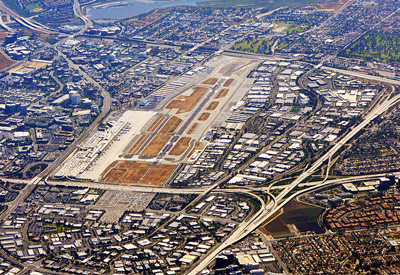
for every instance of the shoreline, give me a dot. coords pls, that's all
(141, 7)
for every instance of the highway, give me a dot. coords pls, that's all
(237, 235)
(374, 113)
(93, 127)
(275, 205)
(246, 228)
(266, 211)
(78, 12)
(363, 75)
(126, 188)
(28, 23)
(4, 25)
(23, 194)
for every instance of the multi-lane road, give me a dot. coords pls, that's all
(28, 23)
(277, 203)
(79, 12)
(268, 209)
(363, 75)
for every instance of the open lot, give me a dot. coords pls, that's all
(303, 216)
(222, 93)
(135, 148)
(157, 175)
(296, 217)
(171, 126)
(5, 62)
(155, 124)
(30, 64)
(276, 228)
(332, 5)
(155, 146)
(191, 130)
(181, 146)
(187, 103)
(228, 82)
(115, 174)
(212, 106)
(134, 172)
(210, 81)
(204, 116)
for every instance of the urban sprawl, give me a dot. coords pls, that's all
(226, 137)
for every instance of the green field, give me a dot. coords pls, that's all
(12, 4)
(27, 10)
(34, 7)
(258, 45)
(254, 45)
(297, 28)
(375, 47)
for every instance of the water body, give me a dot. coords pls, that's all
(129, 8)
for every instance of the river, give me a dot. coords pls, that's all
(129, 8)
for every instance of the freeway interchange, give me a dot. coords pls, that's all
(271, 206)
(268, 208)
(278, 202)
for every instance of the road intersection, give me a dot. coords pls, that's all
(268, 208)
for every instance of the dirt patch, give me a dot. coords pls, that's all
(210, 81)
(155, 124)
(191, 130)
(269, 12)
(332, 5)
(135, 148)
(303, 216)
(3, 35)
(204, 116)
(187, 103)
(155, 146)
(158, 175)
(149, 19)
(138, 172)
(128, 164)
(222, 93)
(171, 125)
(115, 175)
(212, 106)
(276, 228)
(281, 28)
(181, 146)
(5, 62)
(134, 175)
(228, 82)
(110, 167)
